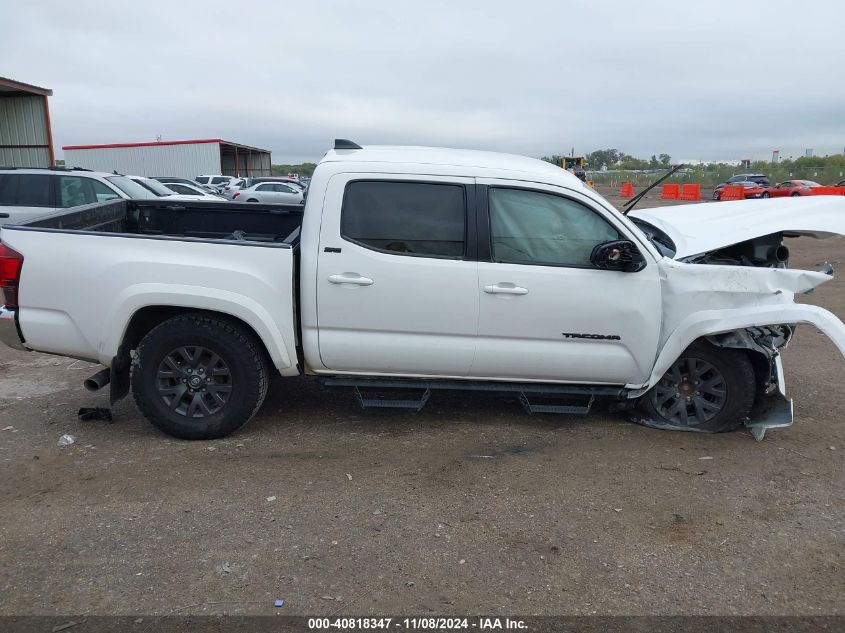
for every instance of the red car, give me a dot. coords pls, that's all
(752, 189)
(791, 188)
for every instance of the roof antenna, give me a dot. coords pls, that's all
(343, 143)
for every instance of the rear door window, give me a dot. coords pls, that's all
(217, 180)
(8, 189)
(35, 190)
(406, 218)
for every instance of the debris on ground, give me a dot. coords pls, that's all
(88, 414)
(226, 567)
(279, 603)
(66, 440)
(349, 477)
(8, 428)
(271, 498)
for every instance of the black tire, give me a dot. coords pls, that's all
(709, 389)
(765, 194)
(795, 194)
(226, 368)
(717, 195)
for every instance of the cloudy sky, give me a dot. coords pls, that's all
(714, 80)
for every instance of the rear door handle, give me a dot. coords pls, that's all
(350, 278)
(505, 288)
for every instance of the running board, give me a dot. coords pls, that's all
(375, 401)
(570, 409)
(547, 397)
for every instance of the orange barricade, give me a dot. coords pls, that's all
(626, 190)
(691, 192)
(670, 191)
(827, 191)
(733, 192)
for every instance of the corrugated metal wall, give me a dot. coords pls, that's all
(23, 122)
(183, 161)
(249, 164)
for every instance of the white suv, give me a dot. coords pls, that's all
(27, 193)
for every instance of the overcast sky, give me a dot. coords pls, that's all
(711, 80)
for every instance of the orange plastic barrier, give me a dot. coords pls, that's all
(626, 190)
(733, 192)
(670, 191)
(691, 191)
(827, 191)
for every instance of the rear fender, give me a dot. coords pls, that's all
(281, 351)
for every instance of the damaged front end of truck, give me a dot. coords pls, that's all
(726, 281)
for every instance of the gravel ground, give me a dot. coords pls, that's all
(470, 506)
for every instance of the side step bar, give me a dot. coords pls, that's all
(547, 398)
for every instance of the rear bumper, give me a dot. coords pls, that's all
(9, 333)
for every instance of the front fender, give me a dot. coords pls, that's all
(277, 337)
(708, 322)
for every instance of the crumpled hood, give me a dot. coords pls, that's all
(701, 228)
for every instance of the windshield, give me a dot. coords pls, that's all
(131, 188)
(155, 186)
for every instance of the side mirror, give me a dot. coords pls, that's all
(621, 255)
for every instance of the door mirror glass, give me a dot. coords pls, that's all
(621, 255)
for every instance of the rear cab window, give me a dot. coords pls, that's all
(406, 218)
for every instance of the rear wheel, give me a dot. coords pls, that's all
(765, 194)
(709, 389)
(795, 194)
(199, 378)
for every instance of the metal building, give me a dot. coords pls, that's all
(26, 139)
(185, 159)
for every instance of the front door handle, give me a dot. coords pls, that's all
(505, 288)
(350, 278)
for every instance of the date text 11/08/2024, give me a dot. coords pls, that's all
(417, 624)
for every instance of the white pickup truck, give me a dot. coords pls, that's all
(415, 269)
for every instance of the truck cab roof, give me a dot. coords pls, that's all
(456, 162)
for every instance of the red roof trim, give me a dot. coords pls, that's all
(113, 145)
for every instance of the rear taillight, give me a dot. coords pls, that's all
(11, 263)
(236, 194)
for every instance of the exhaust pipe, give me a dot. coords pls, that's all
(98, 380)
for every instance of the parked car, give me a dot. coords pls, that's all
(274, 192)
(192, 190)
(760, 179)
(791, 188)
(27, 193)
(392, 276)
(841, 183)
(284, 179)
(752, 189)
(163, 191)
(227, 190)
(213, 180)
(185, 181)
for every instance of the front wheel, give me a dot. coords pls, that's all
(199, 378)
(765, 194)
(708, 389)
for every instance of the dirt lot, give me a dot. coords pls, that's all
(470, 506)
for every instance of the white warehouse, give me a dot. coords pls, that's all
(185, 159)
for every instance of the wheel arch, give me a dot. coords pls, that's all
(145, 319)
(726, 325)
